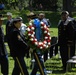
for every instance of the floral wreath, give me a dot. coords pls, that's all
(45, 44)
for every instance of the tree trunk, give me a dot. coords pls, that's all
(67, 6)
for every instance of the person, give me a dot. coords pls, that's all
(23, 30)
(23, 27)
(66, 38)
(2, 6)
(19, 48)
(31, 16)
(9, 20)
(3, 52)
(8, 27)
(38, 64)
(54, 47)
(49, 23)
(40, 6)
(42, 18)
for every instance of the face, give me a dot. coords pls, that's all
(29, 19)
(18, 24)
(1, 21)
(64, 16)
(9, 17)
(41, 16)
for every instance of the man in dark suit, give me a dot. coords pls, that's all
(18, 48)
(66, 38)
(8, 23)
(3, 52)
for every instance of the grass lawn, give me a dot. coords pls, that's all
(53, 64)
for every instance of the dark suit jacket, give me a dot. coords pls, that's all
(65, 33)
(17, 43)
(2, 46)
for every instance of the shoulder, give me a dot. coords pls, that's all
(59, 22)
(14, 30)
(70, 19)
(23, 25)
(36, 20)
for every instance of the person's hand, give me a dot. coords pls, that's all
(31, 50)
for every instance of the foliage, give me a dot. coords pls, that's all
(60, 5)
(45, 4)
(51, 5)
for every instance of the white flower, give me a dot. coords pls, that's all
(28, 29)
(45, 31)
(36, 43)
(45, 42)
(31, 39)
(35, 39)
(50, 38)
(46, 37)
(32, 35)
(45, 26)
(42, 22)
(48, 43)
(30, 24)
(29, 34)
(48, 33)
(32, 28)
(47, 46)
(40, 43)
(44, 45)
(41, 47)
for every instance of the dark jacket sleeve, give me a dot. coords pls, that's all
(70, 31)
(18, 40)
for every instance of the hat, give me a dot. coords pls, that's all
(1, 17)
(31, 15)
(41, 14)
(17, 19)
(9, 14)
(65, 12)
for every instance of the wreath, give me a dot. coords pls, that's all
(42, 44)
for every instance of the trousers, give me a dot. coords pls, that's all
(4, 64)
(19, 66)
(38, 65)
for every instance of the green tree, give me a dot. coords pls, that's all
(69, 5)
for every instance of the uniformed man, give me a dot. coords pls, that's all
(9, 20)
(3, 52)
(18, 48)
(8, 27)
(66, 38)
